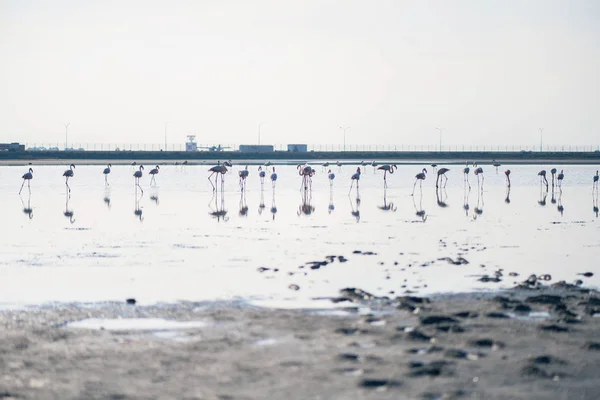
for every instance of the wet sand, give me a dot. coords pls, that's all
(530, 342)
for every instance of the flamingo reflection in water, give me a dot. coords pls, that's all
(355, 211)
(441, 197)
(466, 207)
(595, 203)
(218, 211)
(273, 206)
(507, 198)
(107, 198)
(387, 206)
(560, 207)
(543, 195)
(28, 210)
(331, 206)
(478, 210)
(243, 205)
(69, 213)
(419, 211)
(306, 207)
(261, 205)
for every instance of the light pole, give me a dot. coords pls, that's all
(344, 129)
(259, 126)
(166, 123)
(541, 136)
(440, 130)
(66, 134)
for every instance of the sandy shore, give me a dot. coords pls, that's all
(525, 343)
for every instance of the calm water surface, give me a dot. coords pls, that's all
(177, 242)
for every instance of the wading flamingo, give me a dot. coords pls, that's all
(137, 175)
(69, 174)
(29, 176)
(387, 168)
(420, 177)
(106, 172)
(441, 173)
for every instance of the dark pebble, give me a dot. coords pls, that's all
(497, 315)
(438, 319)
(592, 346)
(486, 343)
(450, 328)
(349, 357)
(544, 299)
(587, 274)
(262, 269)
(466, 314)
(456, 353)
(378, 383)
(347, 331)
(131, 301)
(546, 360)
(554, 328)
(522, 308)
(294, 287)
(418, 335)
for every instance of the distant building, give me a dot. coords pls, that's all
(254, 148)
(12, 147)
(298, 148)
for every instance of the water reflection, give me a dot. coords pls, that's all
(217, 207)
(466, 194)
(137, 211)
(27, 209)
(387, 206)
(154, 196)
(441, 197)
(331, 205)
(261, 205)
(69, 213)
(560, 207)
(306, 206)
(107, 198)
(543, 195)
(479, 207)
(419, 211)
(273, 206)
(553, 197)
(243, 205)
(507, 199)
(355, 206)
(595, 202)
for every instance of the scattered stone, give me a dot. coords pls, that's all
(418, 336)
(487, 278)
(342, 259)
(522, 308)
(547, 360)
(587, 274)
(294, 287)
(131, 301)
(466, 314)
(592, 346)
(545, 299)
(349, 357)
(450, 328)
(378, 383)
(456, 353)
(554, 328)
(488, 343)
(497, 315)
(262, 269)
(434, 368)
(459, 260)
(438, 319)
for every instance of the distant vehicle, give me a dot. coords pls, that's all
(215, 148)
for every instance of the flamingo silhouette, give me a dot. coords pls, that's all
(543, 179)
(106, 172)
(496, 164)
(420, 177)
(218, 170)
(387, 168)
(559, 179)
(441, 173)
(553, 172)
(243, 174)
(353, 178)
(154, 172)
(69, 174)
(331, 177)
(479, 171)
(261, 175)
(27, 177)
(595, 185)
(507, 173)
(306, 172)
(273, 180)
(137, 175)
(466, 171)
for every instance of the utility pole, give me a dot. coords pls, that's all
(541, 137)
(166, 123)
(66, 134)
(259, 126)
(344, 129)
(440, 130)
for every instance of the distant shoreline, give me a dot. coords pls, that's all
(280, 157)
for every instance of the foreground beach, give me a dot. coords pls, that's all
(530, 342)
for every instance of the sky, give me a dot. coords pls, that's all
(485, 72)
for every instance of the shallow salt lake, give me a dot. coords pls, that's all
(177, 242)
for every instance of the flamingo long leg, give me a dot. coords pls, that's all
(213, 186)
(414, 186)
(67, 183)
(446, 182)
(22, 186)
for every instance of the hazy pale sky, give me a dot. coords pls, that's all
(486, 71)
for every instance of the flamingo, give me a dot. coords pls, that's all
(553, 172)
(496, 164)
(507, 173)
(595, 181)
(28, 177)
(69, 174)
(339, 165)
(153, 172)
(479, 171)
(374, 165)
(243, 174)
(559, 179)
(137, 175)
(355, 177)
(325, 165)
(217, 169)
(106, 172)
(331, 177)
(262, 175)
(268, 164)
(434, 167)
(387, 168)
(419, 177)
(543, 179)
(228, 164)
(273, 180)
(306, 172)
(441, 173)
(466, 171)
(364, 163)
